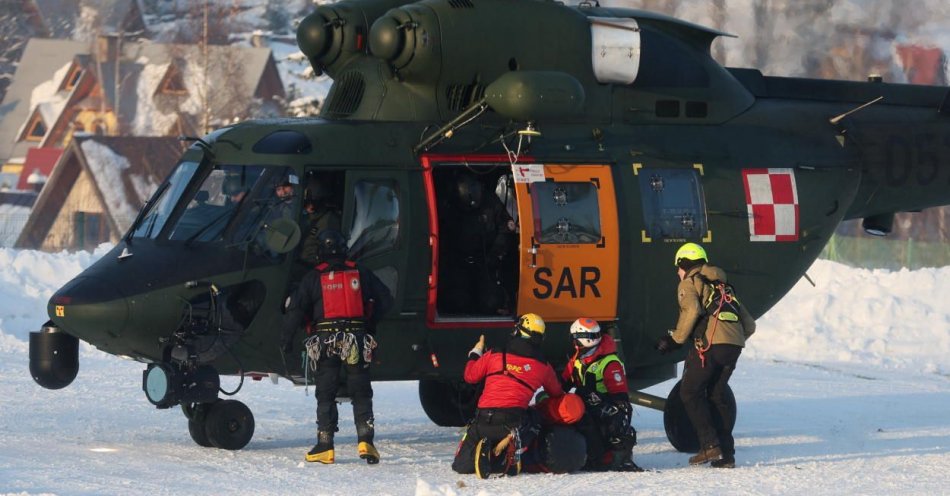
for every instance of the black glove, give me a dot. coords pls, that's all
(666, 344)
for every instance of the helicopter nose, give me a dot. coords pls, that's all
(89, 308)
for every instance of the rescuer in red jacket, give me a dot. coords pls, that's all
(502, 423)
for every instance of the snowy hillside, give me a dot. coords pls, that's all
(844, 390)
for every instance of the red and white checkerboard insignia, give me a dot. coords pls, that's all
(772, 200)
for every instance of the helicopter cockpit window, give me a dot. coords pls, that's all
(216, 202)
(161, 207)
(673, 204)
(567, 213)
(376, 220)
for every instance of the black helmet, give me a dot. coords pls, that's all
(232, 185)
(316, 190)
(331, 244)
(468, 192)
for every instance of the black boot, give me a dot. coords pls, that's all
(727, 461)
(364, 436)
(322, 452)
(709, 453)
(623, 462)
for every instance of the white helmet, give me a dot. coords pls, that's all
(586, 332)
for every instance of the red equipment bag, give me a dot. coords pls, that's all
(342, 294)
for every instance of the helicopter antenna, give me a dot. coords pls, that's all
(447, 131)
(837, 119)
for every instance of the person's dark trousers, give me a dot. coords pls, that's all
(360, 390)
(491, 423)
(703, 387)
(596, 447)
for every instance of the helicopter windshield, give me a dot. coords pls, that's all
(160, 208)
(216, 202)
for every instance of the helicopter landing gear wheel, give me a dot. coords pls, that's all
(197, 414)
(229, 425)
(447, 404)
(679, 429)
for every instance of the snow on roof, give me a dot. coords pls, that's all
(106, 167)
(148, 120)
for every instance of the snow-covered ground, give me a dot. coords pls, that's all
(845, 389)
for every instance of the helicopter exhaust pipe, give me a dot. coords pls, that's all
(54, 357)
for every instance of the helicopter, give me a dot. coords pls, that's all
(604, 137)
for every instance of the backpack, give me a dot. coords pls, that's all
(721, 304)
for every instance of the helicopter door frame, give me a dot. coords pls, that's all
(433, 319)
(570, 259)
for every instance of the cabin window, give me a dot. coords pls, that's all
(673, 203)
(222, 193)
(376, 220)
(566, 213)
(159, 208)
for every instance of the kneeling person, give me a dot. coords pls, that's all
(502, 424)
(598, 376)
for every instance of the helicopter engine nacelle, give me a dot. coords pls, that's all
(336, 34)
(406, 38)
(54, 357)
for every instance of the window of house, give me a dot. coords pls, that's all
(173, 84)
(566, 212)
(72, 79)
(36, 130)
(88, 230)
(376, 221)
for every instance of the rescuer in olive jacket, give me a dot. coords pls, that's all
(716, 324)
(691, 293)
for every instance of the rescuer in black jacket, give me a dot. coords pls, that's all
(343, 303)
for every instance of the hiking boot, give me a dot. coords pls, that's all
(368, 452)
(322, 452)
(706, 454)
(483, 458)
(724, 462)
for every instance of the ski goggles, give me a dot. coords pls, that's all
(585, 335)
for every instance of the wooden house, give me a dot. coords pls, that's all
(96, 190)
(131, 88)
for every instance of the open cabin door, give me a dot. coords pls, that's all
(569, 241)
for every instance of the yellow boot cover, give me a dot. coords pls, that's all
(368, 452)
(325, 457)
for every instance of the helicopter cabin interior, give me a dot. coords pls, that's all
(509, 239)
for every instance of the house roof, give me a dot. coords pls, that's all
(125, 171)
(40, 160)
(66, 19)
(35, 81)
(923, 65)
(46, 62)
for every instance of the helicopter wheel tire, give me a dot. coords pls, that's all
(197, 414)
(229, 425)
(446, 404)
(679, 429)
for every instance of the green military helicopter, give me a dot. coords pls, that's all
(587, 143)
